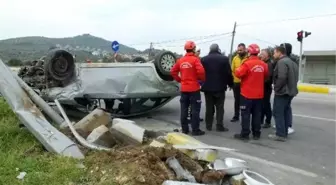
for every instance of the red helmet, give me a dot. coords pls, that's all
(253, 49)
(189, 45)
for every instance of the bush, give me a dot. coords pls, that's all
(14, 62)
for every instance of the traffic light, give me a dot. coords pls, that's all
(300, 36)
(307, 34)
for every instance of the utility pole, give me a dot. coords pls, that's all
(150, 50)
(232, 41)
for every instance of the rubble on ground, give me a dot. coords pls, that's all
(137, 157)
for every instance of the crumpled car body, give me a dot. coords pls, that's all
(123, 89)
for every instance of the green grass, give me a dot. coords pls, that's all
(21, 152)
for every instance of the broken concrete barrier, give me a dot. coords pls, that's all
(101, 136)
(93, 120)
(126, 131)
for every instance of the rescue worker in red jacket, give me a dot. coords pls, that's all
(188, 70)
(253, 73)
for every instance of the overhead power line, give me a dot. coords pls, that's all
(195, 38)
(219, 37)
(290, 19)
(252, 37)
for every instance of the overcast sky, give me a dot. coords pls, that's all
(138, 22)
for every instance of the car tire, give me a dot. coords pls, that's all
(139, 60)
(60, 66)
(163, 63)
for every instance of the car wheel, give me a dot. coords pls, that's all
(163, 64)
(139, 60)
(60, 66)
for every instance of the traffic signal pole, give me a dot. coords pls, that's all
(300, 63)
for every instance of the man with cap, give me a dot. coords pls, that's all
(218, 77)
(252, 74)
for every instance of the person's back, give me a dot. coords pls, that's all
(188, 70)
(218, 73)
(286, 77)
(252, 81)
(191, 70)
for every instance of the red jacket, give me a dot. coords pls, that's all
(253, 73)
(191, 70)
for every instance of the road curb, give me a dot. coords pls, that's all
(316, 89)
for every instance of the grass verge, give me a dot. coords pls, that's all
(21, 152)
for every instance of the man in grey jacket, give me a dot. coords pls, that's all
(285, 78)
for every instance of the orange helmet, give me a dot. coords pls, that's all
(253, 49)
(189, 45)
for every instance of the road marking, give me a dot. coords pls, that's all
(315, 99)
(313, 117)
(275, 165)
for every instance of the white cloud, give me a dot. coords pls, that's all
(132, 22)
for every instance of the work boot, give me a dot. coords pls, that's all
(198, 132)
(240, 137)
(266, 125)
(209, 127)
(277, 138)
(234, 119)
(256, 137)
(221, 128)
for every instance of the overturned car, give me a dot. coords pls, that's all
(123, 89)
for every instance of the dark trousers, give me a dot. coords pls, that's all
(282, 113)
(267, 110)
(250, 107)
(214, 101)
(236, 95)
(192, 99)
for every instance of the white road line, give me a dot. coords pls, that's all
(275, 165)
(313, 117)
(316, 99)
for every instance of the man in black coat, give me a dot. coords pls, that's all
(218, 77)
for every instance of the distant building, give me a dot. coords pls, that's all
(319, 67)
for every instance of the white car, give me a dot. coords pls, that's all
(123, 89)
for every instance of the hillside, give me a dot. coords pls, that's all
(83, 46)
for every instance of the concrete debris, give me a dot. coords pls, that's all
(237, 180)
(181, 173)
(102, 136)
(156, 143)
(169, 182)
(93, 120)
(21, 175)
(126, 131)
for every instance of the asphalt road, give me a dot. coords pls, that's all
(308, 156)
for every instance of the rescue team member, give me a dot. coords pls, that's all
(252, 73)
(197, 53)
(285, 77)
(236, 62)
(265, 55)
(191, 71)
(218, 77)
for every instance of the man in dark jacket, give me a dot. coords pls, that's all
(295, 59)
(285, 79)
(218, 77)
(265, 56)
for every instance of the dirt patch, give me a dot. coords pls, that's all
(137, 165)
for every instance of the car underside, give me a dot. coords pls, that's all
(123, 89)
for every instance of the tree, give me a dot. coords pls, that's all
(14, 62)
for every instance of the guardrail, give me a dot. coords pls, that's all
(310, 88)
